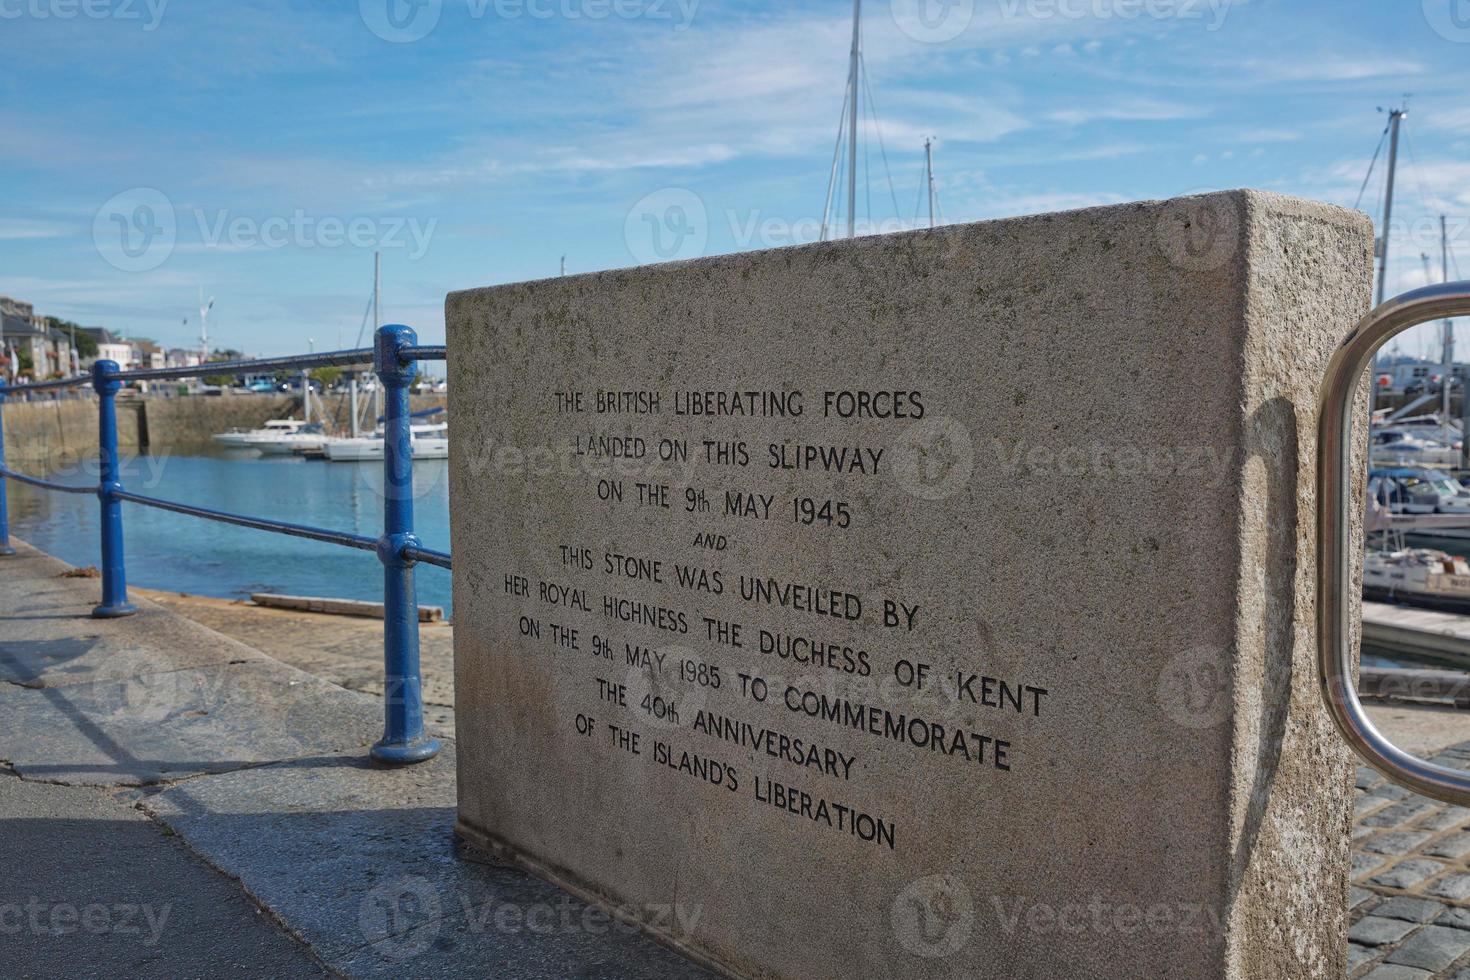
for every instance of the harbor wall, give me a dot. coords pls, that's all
(46, 435)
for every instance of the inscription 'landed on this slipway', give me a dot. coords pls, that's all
(694, 662)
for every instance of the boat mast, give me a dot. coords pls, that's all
(377, 322)
(852, 117)
(929, 176)
(1447, 345)
(1395, 118)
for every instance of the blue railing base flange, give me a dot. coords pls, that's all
(114, 612)
(405, 753)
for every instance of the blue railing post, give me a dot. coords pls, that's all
(114, 576)
(5, 548)
(404, 740)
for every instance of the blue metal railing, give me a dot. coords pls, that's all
(394, 356)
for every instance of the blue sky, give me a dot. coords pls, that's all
(261, 149)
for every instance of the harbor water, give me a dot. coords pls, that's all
(187, 554)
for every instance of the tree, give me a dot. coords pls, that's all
(83, 343)
(222, 380)
(326, 376)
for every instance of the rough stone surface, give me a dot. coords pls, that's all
(1169, 616)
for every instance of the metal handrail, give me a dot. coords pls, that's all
(1334, 539)
(394, 359)
(259, 365)
(428, 556)
(44, 484)
(359, 541)
(81, 379)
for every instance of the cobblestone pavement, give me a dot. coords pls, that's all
(1410, 892)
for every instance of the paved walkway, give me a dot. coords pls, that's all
(174, 803)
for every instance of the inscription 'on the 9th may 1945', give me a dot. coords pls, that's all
(696, 665)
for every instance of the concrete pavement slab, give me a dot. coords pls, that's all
(363, 864)
(93, 888)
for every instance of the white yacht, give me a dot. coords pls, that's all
(1408, 447)
(1417, 577)
(308, 437)
(429, 441)
(273, 429)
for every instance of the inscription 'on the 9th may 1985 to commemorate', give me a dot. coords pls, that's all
(745, 676)
(883, 607)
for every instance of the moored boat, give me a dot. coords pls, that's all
(275, 428)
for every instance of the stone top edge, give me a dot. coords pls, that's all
(1246, 201)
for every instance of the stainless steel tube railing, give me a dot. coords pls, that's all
(1334, 538)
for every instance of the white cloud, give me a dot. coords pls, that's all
(1126, 111)
(20, 229)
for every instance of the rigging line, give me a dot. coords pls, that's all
(837, 197)
(873, 110)
(1418, 176)
(868, 181)
(363, 326)
(836, 149)
(1369, 174)
(919, 197)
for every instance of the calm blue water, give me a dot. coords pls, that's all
(188, 554)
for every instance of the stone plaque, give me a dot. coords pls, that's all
(928, 605)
